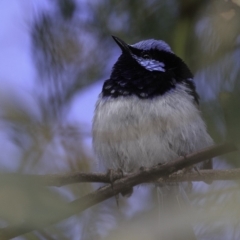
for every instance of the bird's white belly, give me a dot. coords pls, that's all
(129, 133)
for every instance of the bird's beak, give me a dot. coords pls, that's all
(122, 44)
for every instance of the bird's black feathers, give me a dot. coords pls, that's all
(129, 78)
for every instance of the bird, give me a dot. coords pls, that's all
(148, 111)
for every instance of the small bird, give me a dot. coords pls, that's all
(147, 112)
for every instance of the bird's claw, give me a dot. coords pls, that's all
(113, 176)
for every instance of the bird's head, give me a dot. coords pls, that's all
(146, 69)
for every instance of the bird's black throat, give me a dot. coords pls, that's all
(128, 78)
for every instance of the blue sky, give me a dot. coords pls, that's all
(17, 73)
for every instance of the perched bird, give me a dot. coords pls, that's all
(147, 112)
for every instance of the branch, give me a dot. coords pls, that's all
(133, 179)
(59, 180)
(203, 175)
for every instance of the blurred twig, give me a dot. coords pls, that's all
(204, 175)
(58, 180)
(123, 184)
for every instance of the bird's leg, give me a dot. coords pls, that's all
(197, 170)
(128, 192)
(113, 176)
(142, 168)
(186, 170)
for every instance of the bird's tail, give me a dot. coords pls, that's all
(174, 214)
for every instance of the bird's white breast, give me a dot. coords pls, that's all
(129, 132)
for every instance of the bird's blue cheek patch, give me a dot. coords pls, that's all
(150, 64)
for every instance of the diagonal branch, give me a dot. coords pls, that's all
(131, 180)
(204, 175)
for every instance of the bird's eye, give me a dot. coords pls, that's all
(145, 55)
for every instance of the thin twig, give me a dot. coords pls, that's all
(204, 175)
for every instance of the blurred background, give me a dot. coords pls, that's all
(54, 58)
